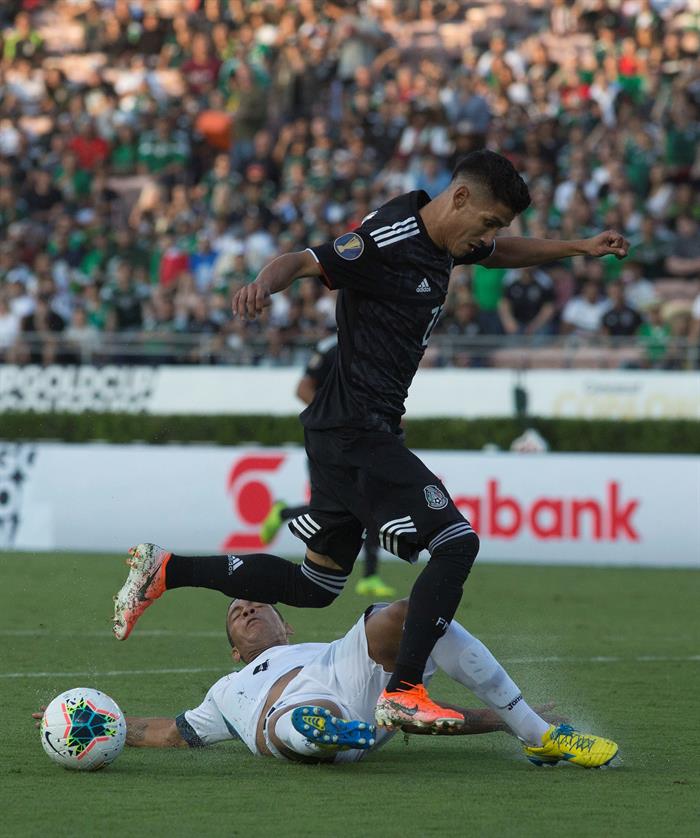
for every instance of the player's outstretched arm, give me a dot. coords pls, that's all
(475, 721)
(517, 252)
(279, 274)
(143, 732)
(153, 733)
(482, 720)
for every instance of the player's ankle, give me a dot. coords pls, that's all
(404, 681)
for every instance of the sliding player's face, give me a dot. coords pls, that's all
(475, 219)
(254, 627)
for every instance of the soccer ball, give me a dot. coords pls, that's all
(83, 729)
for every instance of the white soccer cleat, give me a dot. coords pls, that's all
(144, 584)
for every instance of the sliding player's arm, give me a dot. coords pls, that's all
(481, 721)
(153, 733)
(475, 721)
(144, 733)
(279, 274)
(517, 252)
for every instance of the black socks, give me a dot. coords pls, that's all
(431, 607)
(259, 577)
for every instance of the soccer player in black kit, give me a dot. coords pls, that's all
(392, 272)
(317, 370)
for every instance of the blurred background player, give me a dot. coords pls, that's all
(316, 372)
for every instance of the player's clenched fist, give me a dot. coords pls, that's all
(250, 300)
(608, 242)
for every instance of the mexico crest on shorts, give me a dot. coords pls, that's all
(349, 246)
(435, 498)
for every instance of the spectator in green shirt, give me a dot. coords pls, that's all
(487, 290)
(125, 151)
(163, 151)
(682, 139)
(22, 41)
(654, 336)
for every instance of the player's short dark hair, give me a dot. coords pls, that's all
(228, 631)
(498, 174)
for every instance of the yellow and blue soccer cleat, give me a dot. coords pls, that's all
(324, 729)
(565, 743)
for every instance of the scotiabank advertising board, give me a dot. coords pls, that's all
(536, 508)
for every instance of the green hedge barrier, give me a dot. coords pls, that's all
(644, 436)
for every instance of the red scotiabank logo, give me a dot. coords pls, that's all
(251, 496)
(497, 515)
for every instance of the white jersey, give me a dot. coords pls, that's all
(232, 707)
(342, 672)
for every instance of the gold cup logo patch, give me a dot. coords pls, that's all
(349, 246)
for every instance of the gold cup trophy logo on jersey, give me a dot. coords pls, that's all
(349, 246)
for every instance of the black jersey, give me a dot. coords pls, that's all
(393, 281)
(321, 362)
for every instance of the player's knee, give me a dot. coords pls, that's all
(318, 598)
(319, 585)
(394, 615)
(459, 547)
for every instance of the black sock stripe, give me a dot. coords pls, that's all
(440, 540)
(328, 577)
(336, 583)
(334, 589)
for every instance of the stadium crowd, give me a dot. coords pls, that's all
(154, 155)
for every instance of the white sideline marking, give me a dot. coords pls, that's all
(606, 659)
(193, 671)
(108, 673)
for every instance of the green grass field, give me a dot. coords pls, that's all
(619, 650)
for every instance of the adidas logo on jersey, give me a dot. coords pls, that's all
(424, 287)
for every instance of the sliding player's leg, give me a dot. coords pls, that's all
(316, 729)
(468, 661)
(465, 658)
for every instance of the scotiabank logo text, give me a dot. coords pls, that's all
(498, 514)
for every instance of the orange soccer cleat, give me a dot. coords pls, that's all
(144, 584)
(414, 707)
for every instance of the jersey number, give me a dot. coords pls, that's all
(436, 312)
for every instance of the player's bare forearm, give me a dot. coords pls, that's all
(277, 275)
(475, 722)
(518, 252)
(153, 733)
(282, 271)
(485, 721)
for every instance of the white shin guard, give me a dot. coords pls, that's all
(465, 659)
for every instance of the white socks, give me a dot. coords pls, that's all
(465, 659)
(297, 742)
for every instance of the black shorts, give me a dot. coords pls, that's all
(365, 480)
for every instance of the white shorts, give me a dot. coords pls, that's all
(345, 674)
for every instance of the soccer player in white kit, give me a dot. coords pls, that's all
(315, 701)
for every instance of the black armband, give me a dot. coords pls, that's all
(188, 733)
